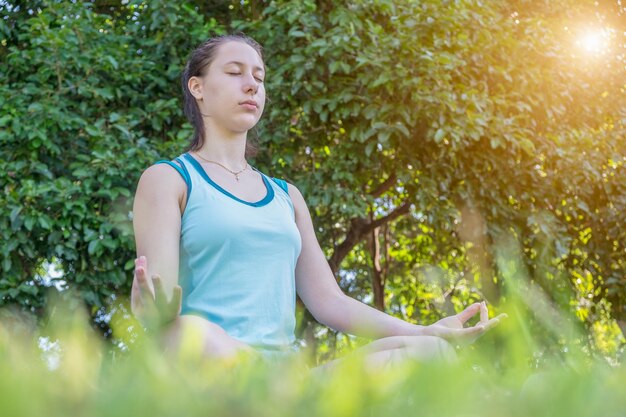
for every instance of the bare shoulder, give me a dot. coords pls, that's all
(161, 181)
(296, 197)
(161, 172)
(303, 216)
(310, 245)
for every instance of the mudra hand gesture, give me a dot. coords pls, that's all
(148, 300)
(453, 328)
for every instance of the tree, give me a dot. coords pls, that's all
(477, 134)
(91, 100)
(422, 134)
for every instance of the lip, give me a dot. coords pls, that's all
(249, 103)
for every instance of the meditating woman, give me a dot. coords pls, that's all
(227, 247)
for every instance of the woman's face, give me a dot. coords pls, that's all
(231, 92)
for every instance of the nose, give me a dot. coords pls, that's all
(251, 85)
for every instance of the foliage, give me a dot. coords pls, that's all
(486, 134)
(422, 134)
(67, 369)
(91, 101)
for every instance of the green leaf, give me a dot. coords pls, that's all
(495, 142)
(113, 61)
(29, 222)
(6, 264)
(129, 265)
(403, 129)
(92, 130)
(296, 34)
(439, 135)
(93, 246)
(527, 146)
(44, 222)
(14, 213)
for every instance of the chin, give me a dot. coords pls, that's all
(243, 125)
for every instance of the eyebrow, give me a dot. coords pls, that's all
(241, 64)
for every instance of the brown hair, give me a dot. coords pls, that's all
(199, 61)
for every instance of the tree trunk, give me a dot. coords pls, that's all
(378, 283)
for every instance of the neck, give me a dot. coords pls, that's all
(228, 148)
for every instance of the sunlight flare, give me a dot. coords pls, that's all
(594, 41)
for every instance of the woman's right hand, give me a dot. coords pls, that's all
(148, 300)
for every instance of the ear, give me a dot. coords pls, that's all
(195, 87)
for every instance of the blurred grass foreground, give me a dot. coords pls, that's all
(61, 367)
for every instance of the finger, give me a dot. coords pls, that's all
(474, 330)
(461, 334)
(484, 313)
(491, 324)
(135, 299)
(145, 290)
(133, 288)
(159, 291)
(494, 322)
(141, 261)
(142, 279)
(468, 313)
(177, 300)
(141, 266)
(134, 291)
(140, 275)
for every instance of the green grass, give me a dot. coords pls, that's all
(499, 375)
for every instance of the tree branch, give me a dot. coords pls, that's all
(359, 228)
(384, 186)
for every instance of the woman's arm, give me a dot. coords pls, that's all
(159, 202)
(157, 210)
(319, 291)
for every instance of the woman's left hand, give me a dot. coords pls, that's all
(453, 328)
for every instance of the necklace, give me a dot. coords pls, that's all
(235, 173)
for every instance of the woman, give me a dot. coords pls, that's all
(241, 243)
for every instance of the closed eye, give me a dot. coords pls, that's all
(260, 80)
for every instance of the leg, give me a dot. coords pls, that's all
(390, 351)
(424, 347)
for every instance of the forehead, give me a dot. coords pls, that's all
(235, 51)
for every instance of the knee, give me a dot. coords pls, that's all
(431, 348)
(446, 351)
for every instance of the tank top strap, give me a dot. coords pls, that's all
(180, 167)
(282, 184)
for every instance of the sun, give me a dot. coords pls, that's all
(594, 41)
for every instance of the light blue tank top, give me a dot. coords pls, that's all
(238, 259)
